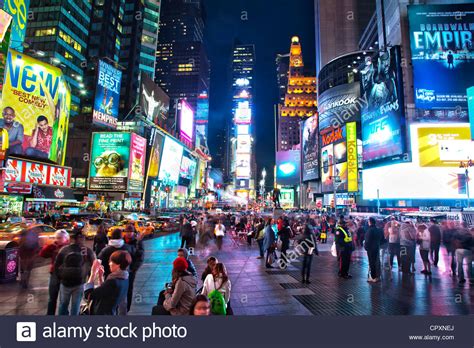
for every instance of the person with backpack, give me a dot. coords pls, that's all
(217, 286)
(116, 242)
(100, 239)
(50, 251)
(259, 236)
(137, 252)
(179, 296)
(106, 298)
(72, 266)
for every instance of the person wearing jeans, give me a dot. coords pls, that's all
(464, 242)
(70, 295)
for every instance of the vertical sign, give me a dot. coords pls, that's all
(5, 33)
(470, 105)
(107, 95)
(352, 165)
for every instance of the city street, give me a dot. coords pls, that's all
(259, 291)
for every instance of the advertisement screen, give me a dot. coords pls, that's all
(242, 165)
(154, 102)
(310, 149)
(341, 172)
(412, 181)
(107, 95)
(155, 156)
(444, 146)
(352, 158)
(287, 198)
(35, 107)
(137, 163)
(339, 105)
(36, 173)
(243, 144)
(202, 109)
(340, 152)
(110, 160)
(441, 39)
(242, 172)
(327, 157)
(186, 122)
(243, 113)
(383, 115)
(288, 167)
(188, 168)
(5, 33)
(18, 9)
(326, 178)
(170, 162)
(243, 129)
(333, 135)
(470, 101)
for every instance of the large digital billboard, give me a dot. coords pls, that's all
(110, 161)
(242, 165)
(18, 9)
(35, 108)
(444, 145)
(137, 163)
(107, 95)
(310, 151)
(155, 155)
(170, 162)
(412, 181)
(36, 173)
(352, 158)
(244, 144)
(288, 165)
(383, 121)
(470, 102)
(188, 168)
(441, 38)
(243, 113)
(154, 102)
(339, 105)
(186, 122)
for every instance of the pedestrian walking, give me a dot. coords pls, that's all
(435, 241)
(424, 240)
(393, 231)
(260, 235)
(464, 245)
(269, 240)
(27, 250)
(219, 232)
(407, 246)
(285, 235)
(134, 246)
(100, 239)
(307, 244)
(50, 251)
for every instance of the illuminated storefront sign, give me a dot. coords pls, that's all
(352, 165)
(37, 173)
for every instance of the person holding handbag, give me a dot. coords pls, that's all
(219, 281)
(111, 293)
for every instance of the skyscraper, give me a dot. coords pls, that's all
(243, 94)
(282, 66)
(300, 100)
(58, 34)
(182, 67)
(339, 26)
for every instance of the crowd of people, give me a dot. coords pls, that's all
(100, 280)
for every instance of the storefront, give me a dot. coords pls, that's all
(46, 198)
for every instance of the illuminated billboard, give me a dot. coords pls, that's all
(243, 144)
(155, 155)
(107, 95)
(137, 163)
(444, 145)
(188, 168)
(412, 181)
(310, 151)
(18, 9)
(242, 165)
(243, 129)
(352, 158)
(21, 171)
(339, 105)
(441, 39)
(154, 102)
(470, 102)
(110, 161)
(170, 162)
(288, 165)
(383, 121)
(35, 108)
(243, 113)
(186, 122)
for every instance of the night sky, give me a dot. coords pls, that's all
(270, 26)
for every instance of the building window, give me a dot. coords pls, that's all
(45, 32)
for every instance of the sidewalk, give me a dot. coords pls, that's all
(258, 291)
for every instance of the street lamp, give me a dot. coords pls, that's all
(262, 184)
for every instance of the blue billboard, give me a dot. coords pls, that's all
(470, 103)
(443, 59)
(382, 118)
(288, 169)
(107, 95)
(18, 9)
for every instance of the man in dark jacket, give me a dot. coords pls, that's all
(435, 241)
(72, 265)
(345, 247)
(137, 252)
(463, 244)
(187, 234)
(116, 242)
(373, 238)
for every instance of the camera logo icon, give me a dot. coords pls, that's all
(26, 332)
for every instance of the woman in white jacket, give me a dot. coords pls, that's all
(218, 280)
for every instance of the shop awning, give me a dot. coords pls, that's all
(51, 194)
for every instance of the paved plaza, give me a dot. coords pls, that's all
(260, 291)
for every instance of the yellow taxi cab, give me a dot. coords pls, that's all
(12, 232)
(142, 227)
